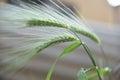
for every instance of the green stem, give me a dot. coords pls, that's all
(89, 54)
(107, 62)
(92, 59)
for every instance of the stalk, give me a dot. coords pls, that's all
(90, 55)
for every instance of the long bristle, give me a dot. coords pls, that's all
(44, 13)
(24, 45)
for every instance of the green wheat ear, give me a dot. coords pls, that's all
(55, 40)
(53, 23)
(45, 15)
(16, 60)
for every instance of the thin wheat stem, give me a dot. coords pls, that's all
(89, 54)
(92, 59)
(107, 62)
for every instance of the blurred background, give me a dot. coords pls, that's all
(104, 17)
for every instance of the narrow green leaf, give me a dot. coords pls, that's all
(102, 72)
(51, 70)
(70, 48)
(65, 52)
